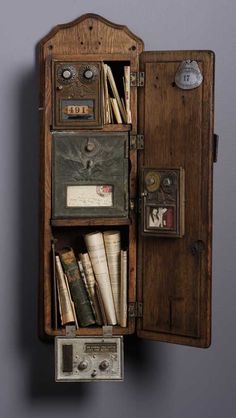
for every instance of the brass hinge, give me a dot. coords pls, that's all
(107, 330)
(215, 147)
(135, 310)
(136, 142)
(137, 79)
(70, 331)
(132, 204)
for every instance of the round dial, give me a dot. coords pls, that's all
(104, 365)
(66, 74)
(83, 365)
(152, 181)
(88, 73)
(168, 181)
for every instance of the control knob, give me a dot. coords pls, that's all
(83, 365)
(104, 365)
(88, 74)
(67, 74)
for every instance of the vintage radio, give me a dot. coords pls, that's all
(85, 358)
(127, 152)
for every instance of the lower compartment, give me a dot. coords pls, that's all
(65, 239)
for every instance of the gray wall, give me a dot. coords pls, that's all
(161, 380)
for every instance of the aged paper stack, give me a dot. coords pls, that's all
(93, 288)
(116, 102)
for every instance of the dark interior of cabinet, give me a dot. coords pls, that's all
(117, 68)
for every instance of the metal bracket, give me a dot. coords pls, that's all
(107, 330)
(215, 147)
(135, 310)
(136, 142)
(70, 331)
(132, 204)
(137, 79)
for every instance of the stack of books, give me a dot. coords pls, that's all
(116, 107)
(92, 288)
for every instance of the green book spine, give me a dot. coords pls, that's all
(77, 288)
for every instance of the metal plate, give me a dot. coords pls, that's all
(163, 202)
(188, 75)
(77, 94)
(82, 359)
(90, 175)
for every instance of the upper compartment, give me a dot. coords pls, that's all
(73, 58)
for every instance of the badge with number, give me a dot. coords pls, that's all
(188, 75)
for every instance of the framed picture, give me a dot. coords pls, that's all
(162, 218)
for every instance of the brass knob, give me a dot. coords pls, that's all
(90, 146)
(67, 74)
(88, 74)
(150, 181)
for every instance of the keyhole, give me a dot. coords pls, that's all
(197, 247)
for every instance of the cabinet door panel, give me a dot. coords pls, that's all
(174, 282)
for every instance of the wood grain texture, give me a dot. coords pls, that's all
(90, 221)
(92, 34)
(89, 37)
(174, 277)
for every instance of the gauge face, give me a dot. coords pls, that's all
(66, 74)
(152, 181)
(169, 181)
(88, 73)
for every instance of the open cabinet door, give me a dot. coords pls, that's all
(175, 176)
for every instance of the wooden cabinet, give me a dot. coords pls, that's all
(169, 143)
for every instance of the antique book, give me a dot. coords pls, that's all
(116, 93)
(111, 112)
(123, 289)
(77, 288)
(127, 92)
(55, 297)
(107, 115)
(71, 302)
(90, 280)
(101, 304)
(65, 306)
(95, 245)
(113, 247)
(116, 111)
(83, 276)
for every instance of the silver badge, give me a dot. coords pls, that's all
(188, 75)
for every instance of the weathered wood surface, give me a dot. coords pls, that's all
(90, 36)
(174, 277)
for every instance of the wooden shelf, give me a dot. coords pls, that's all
(118, 127)
(90, 221)
(95, 331)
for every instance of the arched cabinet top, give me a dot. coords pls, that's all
(90, 34)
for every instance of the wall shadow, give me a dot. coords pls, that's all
(39, 355)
